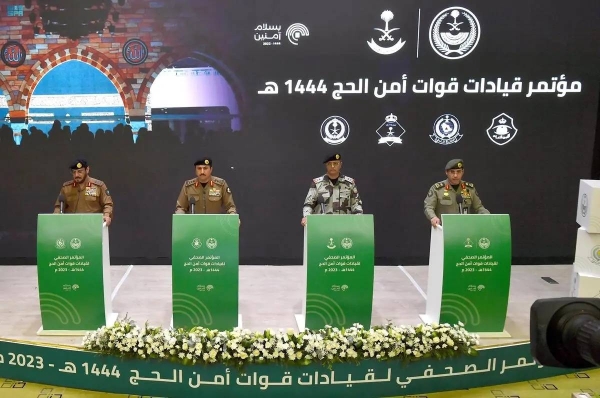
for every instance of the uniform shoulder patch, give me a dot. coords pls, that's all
(349, 179)
(67, 183)
(190, 182)
(469, 184)
(218, 181)
(318, 180)
(96, 182)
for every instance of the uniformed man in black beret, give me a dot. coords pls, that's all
(332, 193)
(84, 194)
(442, 196)
(212, 195)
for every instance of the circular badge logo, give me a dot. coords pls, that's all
(135, 52)
(484, 243)
(75, 243)
(446, 130)
(196, 243)
(454, 33)
(335, 130)
(13, 54)
(211, 243)
(596, 255)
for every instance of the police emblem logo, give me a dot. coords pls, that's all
(446, 130)
(386, 37)
(196, 243)
(135, 52)
(335, 130)
(13, 54)
(60, 243)
(390, 131)
(502, 130)
(454, 33)
(484, 243)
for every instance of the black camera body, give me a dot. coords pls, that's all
(565, 332)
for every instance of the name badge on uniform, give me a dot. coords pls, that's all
(91, 191)
(214, 192)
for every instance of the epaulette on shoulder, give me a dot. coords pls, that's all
(469, 184)
(438, 185)
(218, 181)
(318, 179)
(349, 179)
(67, 183)
(190, 182)
(96, 182)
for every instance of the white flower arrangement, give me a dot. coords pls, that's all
(327, 346)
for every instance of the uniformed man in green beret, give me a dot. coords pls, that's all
(84, 194)
(332, 193)
(442, 196)
(211, 194)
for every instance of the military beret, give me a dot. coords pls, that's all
(203, 162)
(455, 164)
(78, 164)
(335, 156)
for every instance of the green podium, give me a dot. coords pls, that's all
(73, 264)
(205, 271)
(339, 260)
(469, 273)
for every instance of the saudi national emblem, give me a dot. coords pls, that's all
(390, 131)
(335, 130)
(446, 130)
(502, 130)
(386, 36)
(196, 243)
(454, 33)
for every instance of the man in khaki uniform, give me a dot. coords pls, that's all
(441, 198)
(212, 194)
(84, 194)
(332, 193)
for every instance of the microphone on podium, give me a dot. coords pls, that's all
(192, 201)
(459, 200)
(61, 200)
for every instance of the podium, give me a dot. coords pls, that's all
(73, 264)
(469, 273)
(338, 271)
(205, 271)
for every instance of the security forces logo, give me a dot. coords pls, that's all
(595, 257)
(75, 243)
(335, 130)
(446, 130)
(584, 205)
(60, 243)
(484, 243)
(211, 243)
(347, 243)
(454, 33)
(502, 130)
(390, 131)
(386, 37)
(196, 243)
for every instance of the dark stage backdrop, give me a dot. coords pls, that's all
(397, 87)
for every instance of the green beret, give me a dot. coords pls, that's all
(203, 162)
(455, 164)
(78, 164)
(334, 157)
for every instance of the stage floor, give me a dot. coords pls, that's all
(269, 297)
